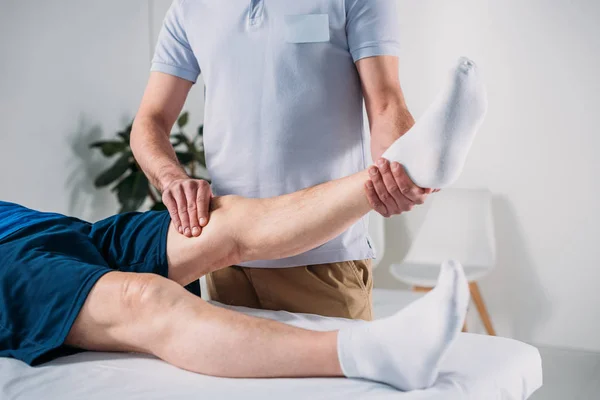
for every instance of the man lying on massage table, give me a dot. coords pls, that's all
(117, 285)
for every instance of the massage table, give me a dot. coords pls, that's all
(476, 367)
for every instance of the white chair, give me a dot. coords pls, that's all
(458, 225)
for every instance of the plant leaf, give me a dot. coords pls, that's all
(175, 142)
(98, 144)
(132, 191)
(201, 130)
(110, 148)
(160, 206)
(183, 119)
(115, 171)
(125, 134)
(178, 139)
(185, 157)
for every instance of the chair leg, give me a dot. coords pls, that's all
(464, 329)
(421, 289)
(481, 308)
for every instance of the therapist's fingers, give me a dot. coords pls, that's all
(387, 171)
(182, 210)
(374, 201)
(203, 197)
(190, 190)
(171, 205)
(382, 192)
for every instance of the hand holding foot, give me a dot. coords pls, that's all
(391, 191)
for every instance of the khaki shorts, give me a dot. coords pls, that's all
(342, 289)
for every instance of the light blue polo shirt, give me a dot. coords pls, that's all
(283, 97)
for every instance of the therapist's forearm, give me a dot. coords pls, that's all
(154, 153)
(389, 119)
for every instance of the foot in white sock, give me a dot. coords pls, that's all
(434, 150)
(405, 350)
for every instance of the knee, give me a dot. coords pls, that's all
(151, 309)
(145, 293)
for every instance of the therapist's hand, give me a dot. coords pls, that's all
(390, 191)
(188, 202)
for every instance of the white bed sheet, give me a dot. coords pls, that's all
(476, 367)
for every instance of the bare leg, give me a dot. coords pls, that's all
(150, 314)
(242, 229)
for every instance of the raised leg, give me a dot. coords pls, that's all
(243, 229)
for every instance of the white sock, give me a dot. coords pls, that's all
(405, 350)
(433, 152)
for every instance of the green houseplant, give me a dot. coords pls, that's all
(129, 182)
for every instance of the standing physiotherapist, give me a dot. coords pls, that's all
(285, 82)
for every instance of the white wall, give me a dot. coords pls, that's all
(537, 151)
(72, 72)
(61, 87)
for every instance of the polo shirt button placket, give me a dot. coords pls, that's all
(255, 13)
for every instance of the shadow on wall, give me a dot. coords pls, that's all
(85, 201)
(518, 303)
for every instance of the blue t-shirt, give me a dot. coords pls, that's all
(14, 217)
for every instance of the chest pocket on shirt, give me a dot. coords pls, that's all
(307, 28)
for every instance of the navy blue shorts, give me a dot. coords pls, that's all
(48, 268)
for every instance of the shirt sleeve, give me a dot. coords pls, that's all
(173, 54)
(373, 28)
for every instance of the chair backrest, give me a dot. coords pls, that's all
(377, 235)
(458, 225)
